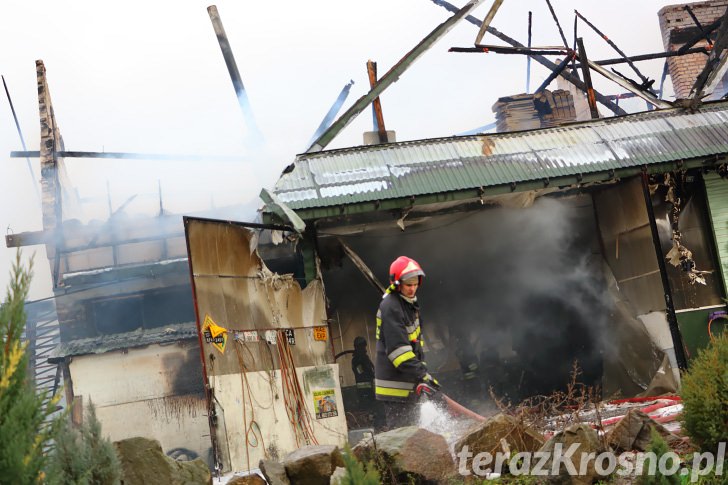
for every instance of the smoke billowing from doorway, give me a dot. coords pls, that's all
(518, 291)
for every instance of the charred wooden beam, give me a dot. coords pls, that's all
(558, 25)
(662, 80)
(376, 103)
(698, 24)
(556, 72)
(391, 76)
(333, 111)
(499, 49)
(528, 59)
(645, 80)
(232, 67)
(677, 342)
(587, 79)
(571, 77)
(629, 86)
(697, 38)
(362, 266)
(129, 156)
(647, 57)
(50, 143)
(32, 238)
(716, 65)
(487, 20)
(22, 140)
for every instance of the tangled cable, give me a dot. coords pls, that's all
(252, 428)
(298, 415)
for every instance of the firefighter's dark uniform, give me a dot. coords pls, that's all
(363, 369)
(399, 364)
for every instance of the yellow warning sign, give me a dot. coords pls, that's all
(320, 333)
(214, 334)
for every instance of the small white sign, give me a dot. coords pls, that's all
(270, 336)
(251, 335)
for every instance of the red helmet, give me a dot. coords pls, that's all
(404, 268)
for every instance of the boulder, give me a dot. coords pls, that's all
(588, 441)
(144, 462)
(634, 432)
(312, 465)
(247, 480)
(274, 472)
(338, 476)
(408, 455)
(487, 436)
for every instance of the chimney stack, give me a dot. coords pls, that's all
(677, 28)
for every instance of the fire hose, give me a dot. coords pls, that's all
(425, 391)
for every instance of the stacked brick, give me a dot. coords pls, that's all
(677, 27)
(529, 112)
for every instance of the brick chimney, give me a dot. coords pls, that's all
(677, 27)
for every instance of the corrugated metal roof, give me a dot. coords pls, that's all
(136, 338)
(380, 172)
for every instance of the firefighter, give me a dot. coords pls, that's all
(363, 369)
(399, 362)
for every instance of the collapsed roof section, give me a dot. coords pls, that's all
(370, 178)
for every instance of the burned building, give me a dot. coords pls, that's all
(598, 242)
(125, 335)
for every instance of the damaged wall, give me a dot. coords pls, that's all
(153, 392)
(523, 285)
(244, 350)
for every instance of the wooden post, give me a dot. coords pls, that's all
(50, 144)
(587, 79)
(377, 104)
(528, 58)
(232, 67)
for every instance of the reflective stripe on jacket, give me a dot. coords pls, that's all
(399, 356)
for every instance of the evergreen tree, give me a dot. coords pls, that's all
(82, 456)
(23, 433)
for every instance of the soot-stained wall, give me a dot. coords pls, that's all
(522, 289)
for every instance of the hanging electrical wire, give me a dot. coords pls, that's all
(295, 404)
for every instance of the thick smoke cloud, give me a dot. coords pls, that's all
(519, 290)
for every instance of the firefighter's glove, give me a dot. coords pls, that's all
(431, 381)
(428, 387)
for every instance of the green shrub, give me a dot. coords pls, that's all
(705, 396)
(659, 448)
(82, 456)
(357, 473)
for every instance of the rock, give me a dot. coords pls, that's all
(412, 454)
(274, 472)
(634, 432)
(487, 436)
(312, 465)
(247, 480)
(143, 462)
(338, 475)
(588, 442)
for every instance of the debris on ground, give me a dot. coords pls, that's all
(142, 458)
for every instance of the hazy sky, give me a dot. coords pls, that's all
(149, 77)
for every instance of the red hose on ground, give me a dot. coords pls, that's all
(645, 399)
(460, 410)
